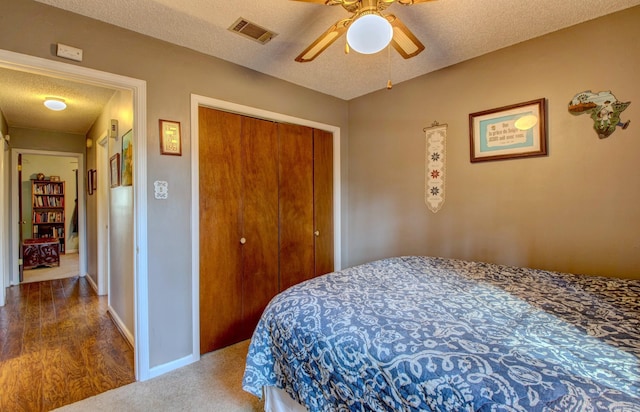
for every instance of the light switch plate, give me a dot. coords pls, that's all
(161, 189)
(113, 130)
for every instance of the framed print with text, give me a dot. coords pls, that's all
(514, 131)
(170, 139)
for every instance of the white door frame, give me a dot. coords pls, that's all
(197, 101)
(15, 225)
(4, 219)
(138, 88)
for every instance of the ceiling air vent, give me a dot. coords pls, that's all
(252, 31)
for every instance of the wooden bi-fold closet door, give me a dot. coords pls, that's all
(238, 224)
(323, 201)
(296, 204)
(306, 203)
(266, 217)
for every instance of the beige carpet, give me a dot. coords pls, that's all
(212, 384)
(69, 267)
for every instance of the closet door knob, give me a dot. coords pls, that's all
(317, 233)
(243, 241)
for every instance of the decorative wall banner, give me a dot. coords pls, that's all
(604, 109)
(435, 162)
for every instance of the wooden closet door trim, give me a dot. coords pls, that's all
(296, 204)
(220, 253)
(260, 211)
(323, 200)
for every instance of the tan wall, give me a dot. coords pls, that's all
(172, 73)
(46, 140)
(121, 283)
(575, 210)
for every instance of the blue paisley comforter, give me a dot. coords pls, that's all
(419, 333)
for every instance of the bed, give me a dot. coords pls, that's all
(425, 333)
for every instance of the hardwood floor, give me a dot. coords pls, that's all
(58, 345)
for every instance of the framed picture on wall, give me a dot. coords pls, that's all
(91, 182)
(127, 158)
(170, 139)
(115, 170)
(518, 130)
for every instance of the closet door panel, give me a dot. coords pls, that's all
(296, 204)
(260, 218)
(323, 200)
(220, 252)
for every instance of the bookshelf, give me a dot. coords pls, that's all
(48, 210)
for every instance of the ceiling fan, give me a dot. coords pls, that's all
(366, 11)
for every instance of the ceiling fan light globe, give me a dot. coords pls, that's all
(55, 104)
(369, 34)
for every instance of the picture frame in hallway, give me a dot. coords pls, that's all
(94, 179)
(91, 181)
(508, 132)
(115, 170)
(170, 139)
(127, 159)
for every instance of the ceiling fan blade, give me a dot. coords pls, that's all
(327, 2)
(410, 2)
(325, 40)
(404, 41)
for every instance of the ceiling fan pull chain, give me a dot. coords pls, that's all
(389, 84)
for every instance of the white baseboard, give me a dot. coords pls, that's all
(70, 251)
(92, 283)
(121, 326)
(173, 365)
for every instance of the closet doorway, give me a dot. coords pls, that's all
(201, 293)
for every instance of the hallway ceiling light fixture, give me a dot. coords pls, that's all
(55, 103)
(369, 34)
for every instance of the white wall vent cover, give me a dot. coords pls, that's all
(252, 31)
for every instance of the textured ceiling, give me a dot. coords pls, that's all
(22, 96)
(451, 30)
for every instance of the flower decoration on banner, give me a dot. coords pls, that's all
(436, 144)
